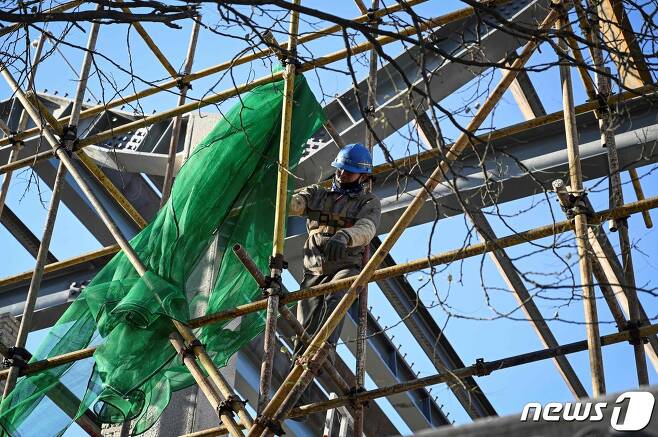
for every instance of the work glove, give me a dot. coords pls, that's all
(336, 247)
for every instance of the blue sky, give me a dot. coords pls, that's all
(460, 284)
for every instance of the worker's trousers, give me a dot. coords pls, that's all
(313, 312)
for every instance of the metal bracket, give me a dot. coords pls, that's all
(372, 18)
(16, 357)
(308, 364)
(69, 137)
(183, 84)
(277, 262)
(481, 367)
(577, 205)
(273, 286)
(228, 405)
(352, 396)
(633, 328)
(271, 424)
(188, 348)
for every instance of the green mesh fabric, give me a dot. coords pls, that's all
(225, 191)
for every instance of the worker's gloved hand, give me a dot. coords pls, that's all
(336, 247)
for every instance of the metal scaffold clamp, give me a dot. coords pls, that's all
(188, 348)
(16, 357)
(353, 392)
(68, 140)
(271, 424)
(228, 406)
(481, 367)
(183, 84)
(633, 328)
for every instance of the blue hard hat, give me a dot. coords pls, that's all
(354, 158)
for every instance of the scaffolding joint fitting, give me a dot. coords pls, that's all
(68, 140)
(228, 406)
(308, 364)
(290, 59)
(373, 19)
(273, 286)
(577, 205)
(188, 348)
(16, 357)
(481, 367)
(633, 328)
(353, 392)
(271, 424)
(277, 262)
(182, 84)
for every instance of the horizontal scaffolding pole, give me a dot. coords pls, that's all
(384, 273)
(232, 92)
(480, 368)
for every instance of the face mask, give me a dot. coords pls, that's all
(346, 188)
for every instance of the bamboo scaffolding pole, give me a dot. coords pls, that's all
(305, 338)
(480, 368)
(362, 325)
(281, 404)
(60, 177)
(151, 44)
(431, 23)
(580, 222)
(184, 330)
(35, 283)
(430, 135)
(59, 8)
(89, 164)
(606, 126)
(384, 273)
(177, 122)
(587, 29)
(22, 123)
(277, 263)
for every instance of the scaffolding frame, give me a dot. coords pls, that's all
(280, 406)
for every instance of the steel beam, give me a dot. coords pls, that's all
(432, 339)
(469, 39)
(22, 233)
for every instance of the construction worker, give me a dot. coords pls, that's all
(341, 221)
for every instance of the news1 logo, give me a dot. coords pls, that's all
(638, 411)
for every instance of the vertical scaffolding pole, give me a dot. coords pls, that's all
(177, 122)
(362, 327)
(277, 263)
(606, 126)
(44, 247)
(22, 123)
(131, 255)
(580, 219)
(302, 374)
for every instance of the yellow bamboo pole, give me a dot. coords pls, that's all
(277, 263)
(317, 63)
(580, 222)
(277, 409)
(331, 287)
(130, 253)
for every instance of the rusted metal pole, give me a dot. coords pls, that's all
(130, 253)
(277, 263)
(580, 222)
(362, 325)
(616, 197)
(282, 401)
(16, 147)
(304, 337)
(591, 29)
(177, 122)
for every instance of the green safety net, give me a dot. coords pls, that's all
(224, 194)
